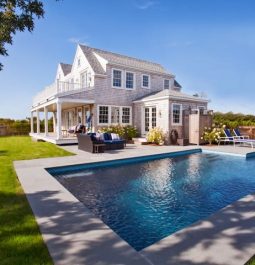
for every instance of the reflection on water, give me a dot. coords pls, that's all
(147, 201)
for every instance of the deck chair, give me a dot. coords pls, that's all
(238, 134)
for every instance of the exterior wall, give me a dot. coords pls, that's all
(106, 94)
(186, 105)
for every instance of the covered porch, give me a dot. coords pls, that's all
(52, 120)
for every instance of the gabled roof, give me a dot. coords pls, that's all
(93, 61)
(171, 94)
(66, 68)
(118, 59)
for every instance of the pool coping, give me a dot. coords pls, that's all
(66, 224)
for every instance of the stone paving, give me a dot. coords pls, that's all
(74, 236)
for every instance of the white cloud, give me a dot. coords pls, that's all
(143, 5)
(76, 40)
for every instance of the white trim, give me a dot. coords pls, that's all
(172, 107)
(122, 79)
(172, 97)
(134, 80)
(149, 80)
(110, 115)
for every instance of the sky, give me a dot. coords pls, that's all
(208, 45)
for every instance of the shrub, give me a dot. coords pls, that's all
(126, 132)
(212, 134)
(155, 135)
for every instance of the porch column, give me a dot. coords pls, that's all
(54, 121)
(37, 122)
(46, 130)
(59, 122)
(32, 122)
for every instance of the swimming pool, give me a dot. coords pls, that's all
(146, 201)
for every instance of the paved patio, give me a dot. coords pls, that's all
(74, 236)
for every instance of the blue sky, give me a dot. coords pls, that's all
(208, 45)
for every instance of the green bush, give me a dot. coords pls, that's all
(155, 135)
(127, 132)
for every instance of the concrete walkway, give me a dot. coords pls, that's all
(75, 236)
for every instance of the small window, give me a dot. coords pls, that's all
(79, 62)
(146, 81)
(116, 79)
(126, 115)
(115, 115)
(103, 114)
(129, 80)
(166, 84)
(176, 114)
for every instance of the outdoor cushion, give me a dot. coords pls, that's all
(107, 136)
(115, 136)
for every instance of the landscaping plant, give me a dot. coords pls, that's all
(155, 136)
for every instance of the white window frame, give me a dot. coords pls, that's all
(164, 83)
(122, 79)
(172, 114)
(134, 80)
(149, 79)
(110, 115)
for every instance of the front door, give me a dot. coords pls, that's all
(150, 118)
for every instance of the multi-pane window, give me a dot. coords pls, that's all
(116, 79)
(125, 115)
(103, 114)
(115, 115)
(145, 81)
(129, 80)
(166, 83)
(176, 118)
(147, 119)
(153, 117)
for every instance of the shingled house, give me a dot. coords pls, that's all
(102, 88)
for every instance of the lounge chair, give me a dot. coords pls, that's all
(238, 134)
(228, 138)
(250, 142)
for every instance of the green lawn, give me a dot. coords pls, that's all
(20, 239)
(251, 261)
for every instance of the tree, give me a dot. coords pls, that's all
(17, 15)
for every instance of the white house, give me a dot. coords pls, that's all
(102, 88)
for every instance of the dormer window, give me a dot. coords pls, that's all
(166, 84)
(145, 81)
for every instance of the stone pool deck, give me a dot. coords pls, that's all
(75, 236)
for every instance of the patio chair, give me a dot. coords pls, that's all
(244, 142)
(238, 134)
(228, 138)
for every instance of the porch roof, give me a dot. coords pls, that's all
(170, 94)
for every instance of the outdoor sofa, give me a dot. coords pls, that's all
(106, 141)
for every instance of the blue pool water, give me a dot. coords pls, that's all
(146, 201)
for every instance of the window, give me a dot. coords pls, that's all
(79, 62)
(125, 115)
(115, 115)
(103, 114)
(176, 114)
(116, 78)
(129, 80)
(166, 84)
(79, 115)
(146, 81)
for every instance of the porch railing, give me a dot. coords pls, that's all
(54, 89)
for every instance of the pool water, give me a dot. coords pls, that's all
(146, 201)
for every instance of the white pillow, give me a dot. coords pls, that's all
(115, 136)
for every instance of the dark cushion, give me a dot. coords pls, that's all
(113, 141)
(107, 136)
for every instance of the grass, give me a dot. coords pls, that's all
(251, 261)
(20, 238)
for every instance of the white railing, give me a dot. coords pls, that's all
(53, 90)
